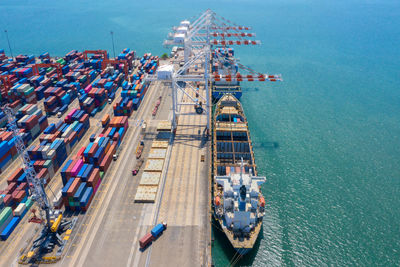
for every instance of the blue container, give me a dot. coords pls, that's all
(9, 228)
(66, 187)
(87, 172)
(82, 170)
(86, 196)
(157, 230)
(79, 193)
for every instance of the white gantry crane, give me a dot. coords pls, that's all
(196, 39)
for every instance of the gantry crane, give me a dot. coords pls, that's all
(198, 34)
(50, 234)
(95, 52)
(35, 68)
(5, 79)
(196, 37)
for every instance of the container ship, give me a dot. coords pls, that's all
(238, 202)
(224, 63)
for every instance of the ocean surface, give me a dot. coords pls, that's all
(327, 138)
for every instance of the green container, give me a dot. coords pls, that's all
(74, 124)
(28, 91)
(71, 204)
(5, 213)
(61, 61)
(49, 69)
(28, 203)
(101, 175)
(83, 78)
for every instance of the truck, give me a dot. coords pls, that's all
(137, 167)
(153, 235)
(139, 149)
(144, 126)
(158, 230)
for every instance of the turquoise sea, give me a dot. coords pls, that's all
(327, 138)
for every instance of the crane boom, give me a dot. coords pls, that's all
(35, 185)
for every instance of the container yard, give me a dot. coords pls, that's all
(112, 151)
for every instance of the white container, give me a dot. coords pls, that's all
(32, 110)
(58, 199)
(19, 209)
(50, 154)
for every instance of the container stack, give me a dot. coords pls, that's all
(57, 99)
(149, 63)
(135, 91)
(24, 92)
(8, 151)
(82, 175)
(57, 141)
(14, 202)
(123, 107)
(32, 120)
(128, 55)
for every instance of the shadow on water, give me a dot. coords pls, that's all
(230, 252)
(266, 145)
(250, 89)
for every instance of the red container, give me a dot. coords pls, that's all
(93, 149)
(94, 178)
(10, 188)
(145, 240)
(80, 152)
(105, 163)
(74, 186)
(7, 200)
(14, 177)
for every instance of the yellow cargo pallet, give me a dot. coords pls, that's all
(159, 144)
(157, 153)
(150, 178)
(155, 165)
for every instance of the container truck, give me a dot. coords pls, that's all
(139, 149)
(153, 235)
(158, 229)
(137, 167)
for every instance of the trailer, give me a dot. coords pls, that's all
(139, 149)
(153, 235)
(137, 167)
(145, 240)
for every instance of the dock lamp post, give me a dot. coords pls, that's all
(112, 39)
(9, 46)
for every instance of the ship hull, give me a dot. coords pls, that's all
(224, 160)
